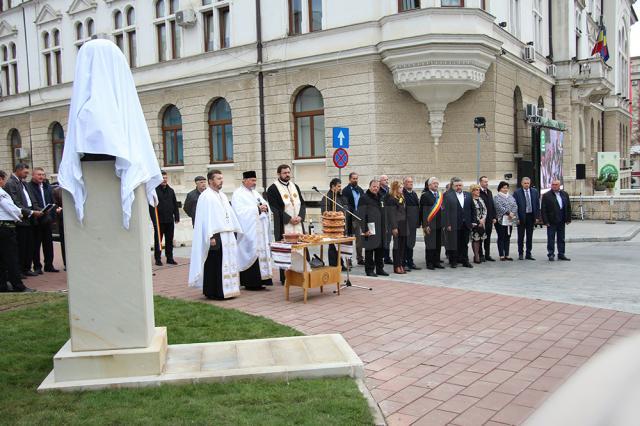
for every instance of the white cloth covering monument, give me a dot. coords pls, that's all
(109, 173)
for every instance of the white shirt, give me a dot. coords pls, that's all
(460, 196)
(559, 198)
(8, 210)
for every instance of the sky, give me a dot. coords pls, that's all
(635, 35)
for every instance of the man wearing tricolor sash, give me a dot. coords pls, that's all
(431, 207)
(286, 203)
(214, 250)
(254, 253)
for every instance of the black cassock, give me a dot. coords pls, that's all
(251, 279)
(212, 278)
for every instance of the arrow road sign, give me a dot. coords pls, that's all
(340, 158)
(341, 137)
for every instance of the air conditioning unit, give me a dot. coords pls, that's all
(534, 119)
(530, 53)
(531, 110)
(186, 17)
(20, 153)
(552, 70)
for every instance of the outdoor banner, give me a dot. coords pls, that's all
(551, 154)
(609, 170)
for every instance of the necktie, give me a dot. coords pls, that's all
(526, 193)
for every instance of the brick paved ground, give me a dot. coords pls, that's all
(433, 355)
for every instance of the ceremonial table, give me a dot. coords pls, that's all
(309, 277)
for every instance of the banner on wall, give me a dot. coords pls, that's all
(551, 156)
(609, 170)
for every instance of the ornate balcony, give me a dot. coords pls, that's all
(589, 79)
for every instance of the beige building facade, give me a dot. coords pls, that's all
(408, 96)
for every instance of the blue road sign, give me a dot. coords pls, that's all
(341, 137)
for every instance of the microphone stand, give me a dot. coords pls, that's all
(347, 282)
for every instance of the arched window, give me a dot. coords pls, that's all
(220, 132)
(57, 143)
(600, 143)
(540, 102)
(8, 70)
(91, 28)
(308, 115)
(131, 16)
(592, 140)
(517, 108)
(52, 57)
(172, 137)
(124, 34)
(15, 142)
(160, 9)
(79, 31)
(168, 33)
(117, 20)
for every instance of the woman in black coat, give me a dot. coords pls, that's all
(398, 224)
(370, 210)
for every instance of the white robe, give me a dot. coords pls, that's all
(105, 117)
(254, 242)
(214, 215)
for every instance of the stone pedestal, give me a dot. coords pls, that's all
(111, 319)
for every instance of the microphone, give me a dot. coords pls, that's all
(315, 188)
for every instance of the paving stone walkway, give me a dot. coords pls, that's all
(433, 355)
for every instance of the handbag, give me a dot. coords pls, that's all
(316, 262)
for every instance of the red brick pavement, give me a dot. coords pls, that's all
(434, 356)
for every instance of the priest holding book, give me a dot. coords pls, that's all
(254, 252)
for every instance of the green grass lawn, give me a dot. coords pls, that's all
(34, 327)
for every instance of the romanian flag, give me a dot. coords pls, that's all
(601, 45)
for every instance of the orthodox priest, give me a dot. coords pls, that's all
(254, 253)
(214, 250)
(287, 205)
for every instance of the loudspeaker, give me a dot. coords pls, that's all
(581, 172)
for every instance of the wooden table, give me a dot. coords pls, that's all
(316, 277)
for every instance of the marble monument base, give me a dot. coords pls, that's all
(283, 358)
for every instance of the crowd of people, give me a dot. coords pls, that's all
(28, 210)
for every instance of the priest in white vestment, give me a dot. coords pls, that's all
(254, 253)
(214, 250)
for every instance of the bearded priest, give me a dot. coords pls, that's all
(214, 250)
(254, 253)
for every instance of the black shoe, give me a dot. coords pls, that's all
(529, 257)
(24, 290)
(439, 266)
(372, 274)
(520, 257)
(382, 273)
(171, 262)
(361, 262)
(563, 257)
(38, 271)
(431, 267)
(482, 258)
(388, 261)
(453, 265)
(467, 265)
(551, 258)
(30, 274)
(413, 266)
(158, 262)
(50, 269)
(489, 258)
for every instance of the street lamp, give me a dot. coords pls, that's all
(478, 123)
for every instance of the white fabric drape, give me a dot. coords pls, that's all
(254, 242)
(214, 215)
(105, 117)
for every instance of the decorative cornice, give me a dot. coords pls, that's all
(78, 6)
(47, 14)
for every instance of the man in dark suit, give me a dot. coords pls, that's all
(432, 228)
(556, 213)
(373, 229)
(528, 200)
(17, 189)
(487, 197)
(458, 213)
(383, 193)
(352, 194)
(168, 215)
(413, 221)
(42, 195)
(191, 202)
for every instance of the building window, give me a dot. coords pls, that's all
(168, 33)
(404, 5)
(538, 28)
(209, 34)
(220, 132)
(225, 27)
(172, 137)
(16, 142)
(578, 52)
(84, 32)
(52, 57)
(8, 70)
(315, 15)
(514, 17)
(57, 143)
(308, 118)
(124, 34)
(452, 3)
(295, 17)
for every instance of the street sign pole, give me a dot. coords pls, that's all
(478, 156)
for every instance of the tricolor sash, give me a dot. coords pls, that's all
(435, 209)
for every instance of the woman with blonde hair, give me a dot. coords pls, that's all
(478, 234)
(397, 210)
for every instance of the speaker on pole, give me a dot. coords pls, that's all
(581, 171)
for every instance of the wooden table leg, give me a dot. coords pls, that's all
(286, 287)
